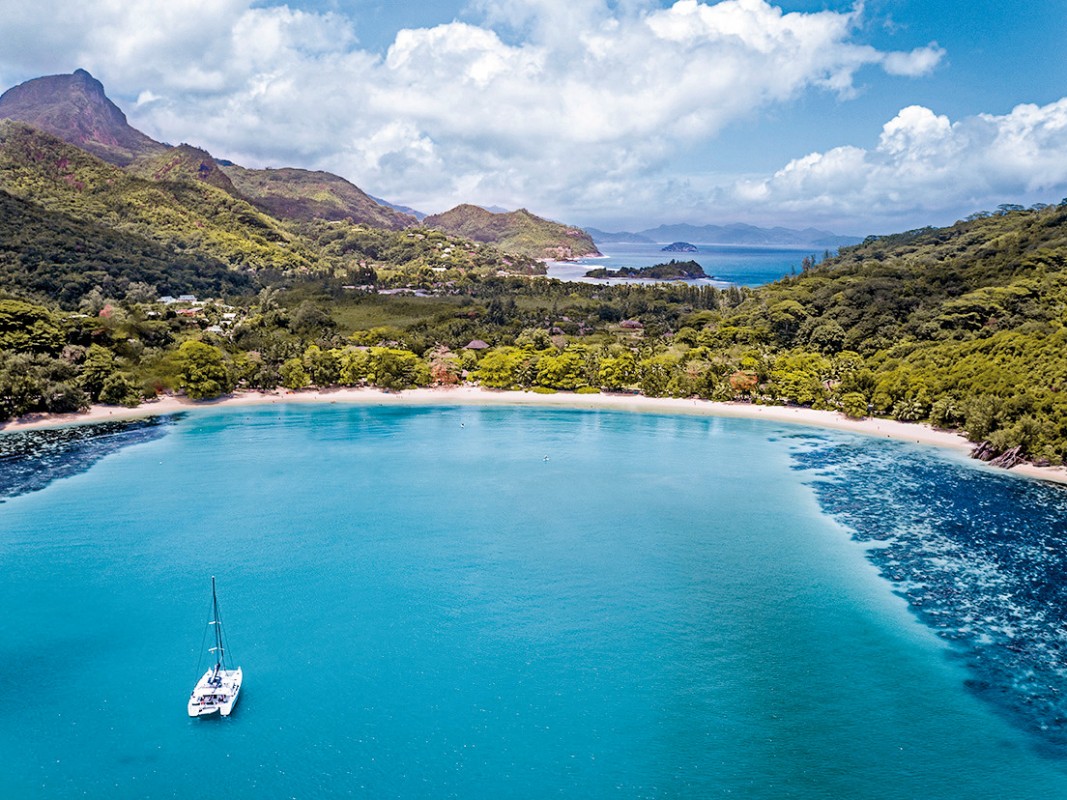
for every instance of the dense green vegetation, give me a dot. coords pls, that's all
(515, 231)
(49, 255)
(964, 327)
(670, 271)
(960, 326)
(182, 215)
(415, 257)
(71, 222)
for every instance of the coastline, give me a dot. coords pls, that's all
(477, 396)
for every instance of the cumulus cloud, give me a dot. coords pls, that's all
(924, 167)
(562, 105)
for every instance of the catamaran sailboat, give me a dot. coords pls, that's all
(216, 692)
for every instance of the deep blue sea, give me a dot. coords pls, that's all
(727, 264)
(522, 603)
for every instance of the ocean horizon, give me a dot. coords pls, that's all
(728, 265)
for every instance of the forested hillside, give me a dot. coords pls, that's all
(183, 163)
(303, 195)
(963, 327)
(51, 257)
(182, 214)
(515, 231)
(184, 205)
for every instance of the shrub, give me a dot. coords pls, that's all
(854, 405)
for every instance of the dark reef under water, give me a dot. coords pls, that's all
(981, 558)
(32, 459)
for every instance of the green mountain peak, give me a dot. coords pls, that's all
(515, 231)
(300, 194)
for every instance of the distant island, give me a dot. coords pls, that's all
(679, 247)
(671, 271)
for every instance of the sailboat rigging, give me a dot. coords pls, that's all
(216, 692)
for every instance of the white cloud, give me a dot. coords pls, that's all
(562, 105)
(919, 61)
(925, 168)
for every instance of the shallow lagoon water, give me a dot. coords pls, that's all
(426, 607)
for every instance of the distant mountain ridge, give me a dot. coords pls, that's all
(301, 194)
(516, 231)
(76, 109)
(622, 237)
(737, 233)
(419, 215)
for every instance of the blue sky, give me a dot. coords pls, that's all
(857, 117)
(997, 55)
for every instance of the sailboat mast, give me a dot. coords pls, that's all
(218, 625)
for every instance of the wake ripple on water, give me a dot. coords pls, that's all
(981, 558)
(30, 460)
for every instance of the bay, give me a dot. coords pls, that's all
(737, 265)
(487, 602)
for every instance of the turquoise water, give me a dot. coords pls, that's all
(740, 265)
(425, 607)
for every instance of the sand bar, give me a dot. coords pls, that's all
(473, 395)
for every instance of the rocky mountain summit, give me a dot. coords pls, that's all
(76, 109)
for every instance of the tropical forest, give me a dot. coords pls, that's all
(166, 271)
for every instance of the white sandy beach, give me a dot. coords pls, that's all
(473, 395)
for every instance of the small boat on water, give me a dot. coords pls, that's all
(216, 692)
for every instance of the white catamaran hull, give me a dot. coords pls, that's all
(216, 693)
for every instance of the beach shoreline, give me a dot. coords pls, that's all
(477, 396)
